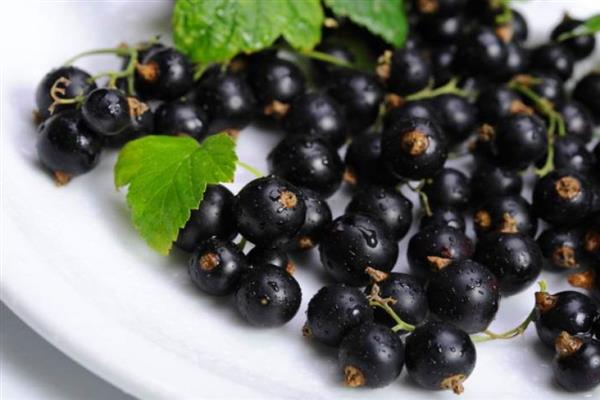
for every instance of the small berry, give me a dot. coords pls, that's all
(489, 181)
(571, 154)
(456, 115)
(549, 86)
(324, 70)
(316, 222)
(442, 30)
(508, 214)
(555, 58)
(443, 60)
(498, 102)
(587, 92)
(520, 140)
(258, 257)
(181, 118)
(449, 187)
(518, 60)
(563, 248)
(576, 364)
(164, 73)
(578, 120)
(481, 52)
(409, 72)
(444, 216)
(364, 165)
(580, 46)
(106, 111)
(422, 109)
(141, 123)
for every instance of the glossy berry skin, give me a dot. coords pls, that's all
(442, 30)
(273, 80)
(449, 187)
(79, 84)
(580, 46)
(562, 197)
(354, 242)
(518, 60)
(587, 92)
(268, 296)
(549, 86)
(409, 72)
(498, 102)
(213, 217)
(515, 259)
(371, 355)
(410, 300)
(520, 140)
(519, 27)
(562, 247)
(359, 94)
(457, 116)
(217, 266)
(334, 311)
(435, 247)
(226, 98)
(443, 60)
(165, 74)
(179, 118)
(481, 52)
(364, 165)
(568, 311)
(139, 125)
(106, 111)
(414, 149)
(323, 70)
(66, 145)
(576, 365)
(269, 211)
(307, 162)
(422, 109)
(318, 115)
(571, 154)
(317, 219)
(578, 120)
(555, 58)
(444, 216)
(389, 206)
(465, 294)
(258, 257)
(489, 181)
(438, 351)
(505, 214)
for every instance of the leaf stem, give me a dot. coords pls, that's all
(317, 55)
(449, 88)
(423, 199)
(119, 51)
(250, 169)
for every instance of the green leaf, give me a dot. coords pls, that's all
(385, 18)
(588, 27)
(217, 30)
(167, 177)
(593, 23)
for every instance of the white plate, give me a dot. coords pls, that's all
(76, 271)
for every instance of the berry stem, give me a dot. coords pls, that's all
(488, 335)
(242, 244)
(505, 16)
(375, 300)
(317, 55)
(119, 51)
(449, 88)
(250, 169)
(423, 199)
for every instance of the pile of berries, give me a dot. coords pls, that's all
(464, 80)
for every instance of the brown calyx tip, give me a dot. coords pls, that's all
(523, 79)
(415, 143)
(591, 241)
(331, 23)
(61, 178)
(545, 301)
(564, 256)
(305, 243)
(276, 109)
(209, 261)
(509, 224)
(518, 107)
(584, 280)
(136, 107)
(566, 344)
(428, 6)
(237, 65)
(353, 377)
(483, 219)
(288, 199)
(486, 132)
(349, 177)
(505, 32)
(376, 274)
(439, 262)
(232, 133)
(148, 72)
(383, 69)
(454, 383)
(306, 332)
(290, 267)
(568, 187)
(393, 100)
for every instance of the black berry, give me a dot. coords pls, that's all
(587, 92)
(580, 46)
(555, 58)
(562, 247)
(317, 220)
(106, 111)
(164, 73)
(576, 364)
(490, 181)
(181, 118)
(508, 214)
(364, 165)
(444, 216)
(449, 187)
(410, 72)
(258, 257)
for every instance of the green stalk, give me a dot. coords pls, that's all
(449, 88)
(119, 51)
(250, 169)
(317, 55)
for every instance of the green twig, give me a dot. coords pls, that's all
(376, 301)
(119, 51)
(449, 88)
(423, 199)
(250, 169)
(317, 55)
(242, 244)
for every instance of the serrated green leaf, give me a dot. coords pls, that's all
(593, 23)
(216, 30)
(167, 177)
(386, 18)
(589, 27)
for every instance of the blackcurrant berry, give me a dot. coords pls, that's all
(444, 216)
(456, 115)
(141, 123)
(587, 92)
(562, 197)
(563, 248)
(318, 115)
(414, 149)
(324, 70)
(388, 205)
(164, 73)
(181, 118)
(213, 217)
(498, 102)
(489, 181)
(410, 302)
(508, 214)
(568, 311)
(269, 211)
(334, 311)
(268, 296)
(422, 109)
(66, 146)
(449, 187)
(106, 111)
(364, 165)
(518, 60)
(482, 52)
(435, 247)
(354, 242)
(576, 364)
(518, 23)
(217, 266)
(409, 71)
(226, 98)
(555, 58)
(316, 221)
(549, 86)
(578, 120)
(440, 356)
(515, 259)
(359, 94)
(443, 60)
(371, 355)
(258, 257)
(78, 83)
(571, 154)
(442, 30)
(307, 162)
(520, 140)
(580, 46)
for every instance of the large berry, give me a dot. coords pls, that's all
(164, 73)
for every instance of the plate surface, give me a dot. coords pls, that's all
(76, 271)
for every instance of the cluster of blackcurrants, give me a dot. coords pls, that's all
(521, 118)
